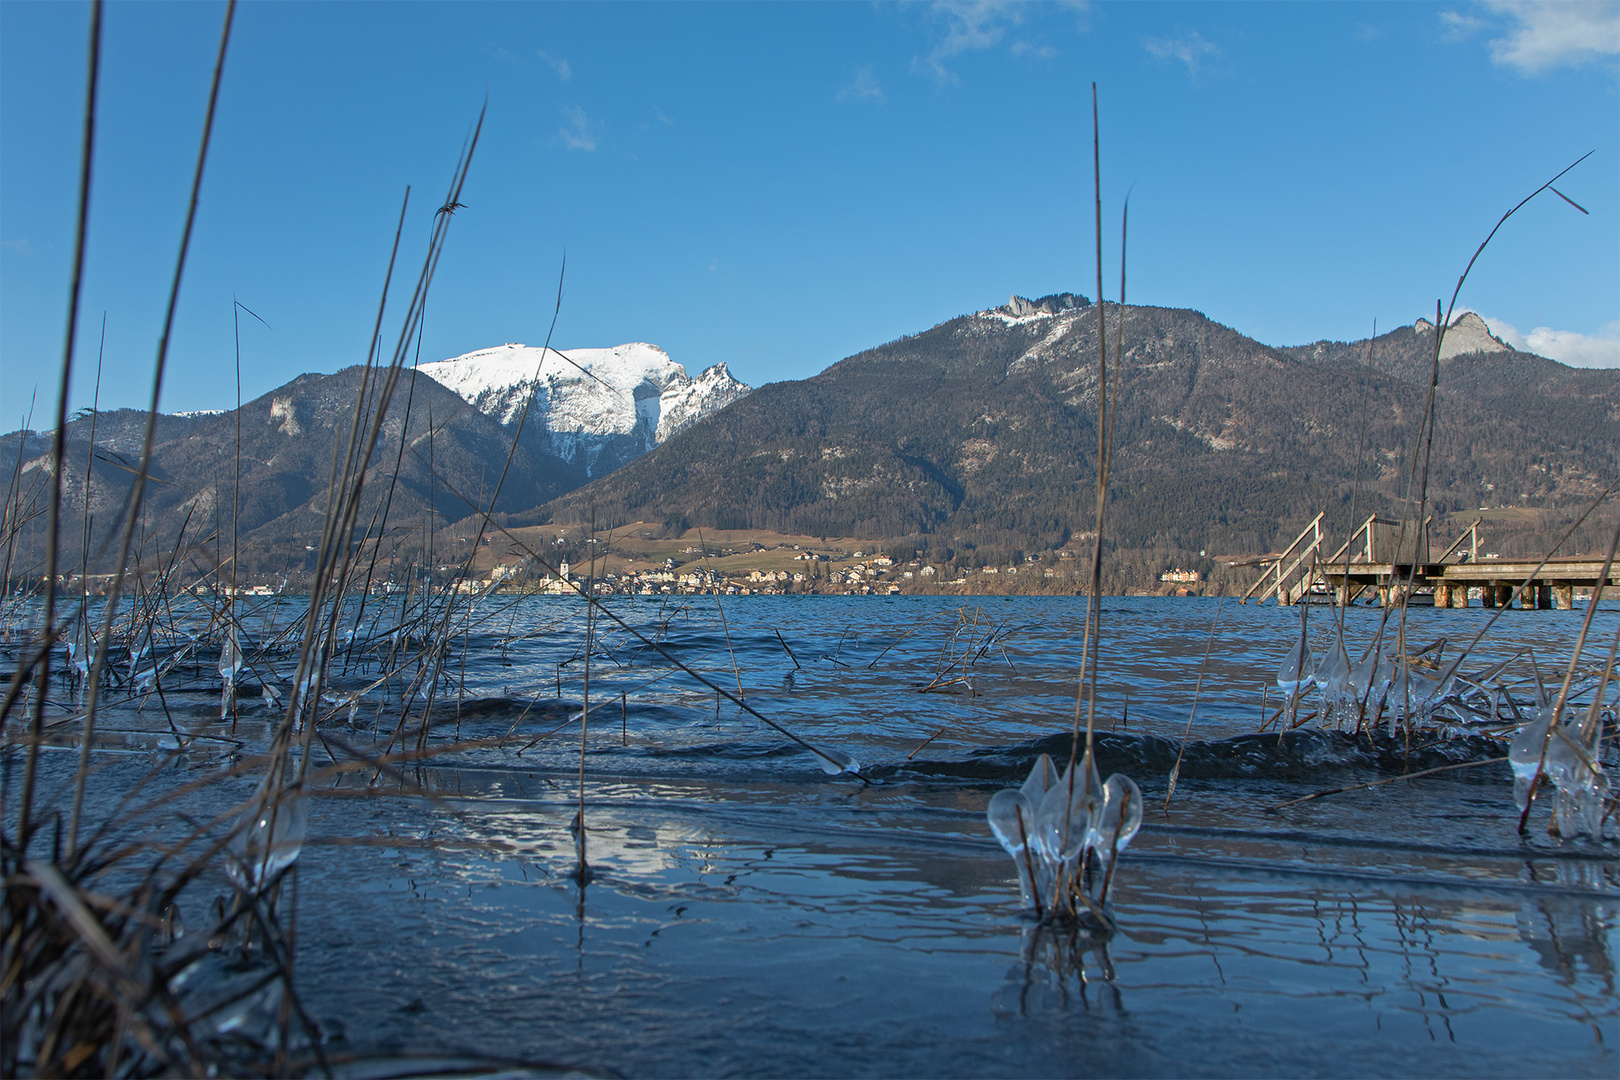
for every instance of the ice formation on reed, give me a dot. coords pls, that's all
(1565, 755)
(1294, 673)
(267, 838)
(833, 762)
(1064, 834)
(230, 662)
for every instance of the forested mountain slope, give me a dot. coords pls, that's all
(980, 432)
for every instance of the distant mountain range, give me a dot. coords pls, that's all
(979, 433)
(592, 410)
(976, 435)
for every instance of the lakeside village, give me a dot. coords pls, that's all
(838, 573)
(752, 568)
(816, 573)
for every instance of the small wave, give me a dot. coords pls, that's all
(477, 708)
(1288, 756)
(735, 751)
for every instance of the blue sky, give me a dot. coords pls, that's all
(780, 185)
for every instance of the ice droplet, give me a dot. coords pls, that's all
(269, 835)
(1120, 817)
(1009, 809)
(1295, 670)
(833, 761)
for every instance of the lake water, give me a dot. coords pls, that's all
(750, 915)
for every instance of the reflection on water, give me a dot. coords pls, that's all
(1060, 967)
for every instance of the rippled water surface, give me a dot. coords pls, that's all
(750, 915)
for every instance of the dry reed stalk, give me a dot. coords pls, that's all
(1342, 601)
(1105, 415)
(582, 872)
(926, 741)
(725, 629)
(1175, 772)
(652, 643)
(1420, 479)
(153, 626)
(59, 439)
(134, 505)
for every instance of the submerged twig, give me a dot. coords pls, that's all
(1386, 780)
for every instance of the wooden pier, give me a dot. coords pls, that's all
(1383, 559)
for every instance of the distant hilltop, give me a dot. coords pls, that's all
(1467, 334)
(1056, 304)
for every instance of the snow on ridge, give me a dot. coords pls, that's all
(1021, 311)
(599, 407)
(681, 406)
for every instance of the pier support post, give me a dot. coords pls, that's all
(1487, 594)
(1544, 597)
(1442, 594)
(1563, 594)
(1459, 596)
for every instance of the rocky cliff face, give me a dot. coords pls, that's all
(683, 404)
(1467, 334)
(595, 408)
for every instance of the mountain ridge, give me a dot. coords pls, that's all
(976, 435)
(980, 432)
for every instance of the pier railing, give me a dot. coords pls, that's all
(1285, 579)
(1471, 538)
(1379, 558)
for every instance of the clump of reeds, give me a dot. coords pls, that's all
(1404, 692)
(100, 972)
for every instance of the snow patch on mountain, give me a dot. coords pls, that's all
(597, 407)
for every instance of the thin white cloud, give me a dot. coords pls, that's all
(21, 246)
(862, 86)
(1039, 52)
(559, 64)
(1547, 34)
(959, 27)
(966, 26)
(1566, 346)
(1190, 49)
(580, 132)
(1456, 26)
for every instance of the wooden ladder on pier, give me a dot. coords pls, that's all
(1285, 579)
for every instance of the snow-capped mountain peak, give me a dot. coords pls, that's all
(601, 407)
